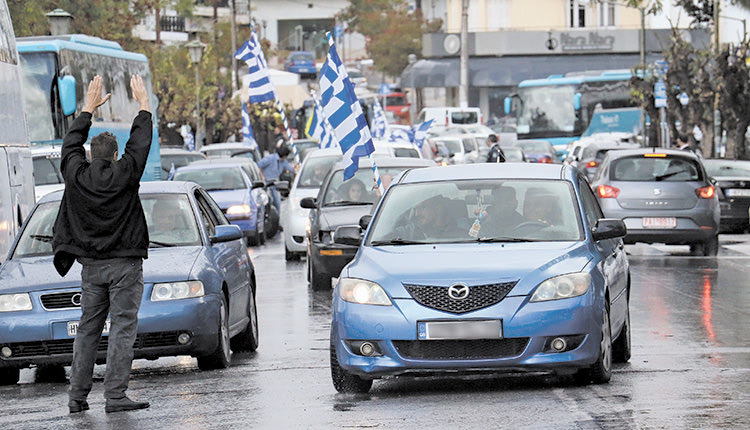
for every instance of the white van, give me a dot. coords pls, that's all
(447, 116)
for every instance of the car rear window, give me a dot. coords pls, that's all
(301, 56)
(215, 179)
(464, 118)
(405, 152)
(655, 168)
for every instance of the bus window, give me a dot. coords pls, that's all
(40, 96)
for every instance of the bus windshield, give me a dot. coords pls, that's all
(38, 75)
(546, 111)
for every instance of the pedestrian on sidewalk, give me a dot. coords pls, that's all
(101, 225)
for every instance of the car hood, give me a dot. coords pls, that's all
(473, 264)
(333, 217)
(38, 273)
(226, 198)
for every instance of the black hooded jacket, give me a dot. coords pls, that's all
(100, 213)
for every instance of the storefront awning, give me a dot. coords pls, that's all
(509, 71)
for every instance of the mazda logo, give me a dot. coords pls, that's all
(458, 291)
(76, 299)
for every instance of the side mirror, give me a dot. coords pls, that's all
(308, 203)
(225, 233)
(67, 88)
(577, 101)
(507, 105)
(348, 235)
(282, 186)
(608, 228)
(258, 184)
(365, 221)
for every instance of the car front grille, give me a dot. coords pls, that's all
(480, 296)
(61, 300)
(461, 349)
(65, 346)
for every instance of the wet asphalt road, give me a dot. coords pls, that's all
(690, 368)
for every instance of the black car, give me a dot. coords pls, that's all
(733, 183)
(342, 203)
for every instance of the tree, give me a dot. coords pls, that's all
(734, 97)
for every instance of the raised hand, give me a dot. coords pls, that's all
(94, 97)
(139, 91)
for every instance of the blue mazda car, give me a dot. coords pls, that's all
(232, 189)
(198, 296)
(482, 268)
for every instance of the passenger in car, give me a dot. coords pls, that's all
(433, 219)
(502, 217)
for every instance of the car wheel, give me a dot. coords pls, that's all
(601, 371)
(9, 375)
(343, 381)
(318, 281)
(272, 226)
(290, 255)
(247, 340)
(621, 349)
(221, 357)
(711, 246)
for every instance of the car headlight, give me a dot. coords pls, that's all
(239, 210)
(176, 290)
(363, 292)
(562, 287)
(15, 302)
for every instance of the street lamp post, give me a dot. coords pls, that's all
(59, 22)
(195, 49)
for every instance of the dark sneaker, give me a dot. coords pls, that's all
(124, 404)
(77, 406)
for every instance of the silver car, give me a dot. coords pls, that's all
(662, 195)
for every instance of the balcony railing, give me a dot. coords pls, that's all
(172, 23)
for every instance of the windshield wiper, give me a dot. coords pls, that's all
(41, 237)
(397, 241)
(665, 176)
(347, 203)
(503, 239)
(161, 244)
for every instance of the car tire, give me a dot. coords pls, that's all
(247, 340)
(318, 281)
(272, 226)
(290, 255)
(222, 355)
(621, 347)
(9, 375)
(601, 371)
(711, 246)
(343, 381)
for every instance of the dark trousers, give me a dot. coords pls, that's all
(115, 287)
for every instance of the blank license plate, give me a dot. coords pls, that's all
(738, 192)
(659, 222)
(73, 327)
(440, 330)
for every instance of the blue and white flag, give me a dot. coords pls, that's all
(379, 121)
(247, 129)
(342, 108)
(400, 135)
(319, 129)
(187, 138)
(261, 89)
(419, 132)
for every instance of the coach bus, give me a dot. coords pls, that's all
(56, 71)
(16, 180)
(559, 108)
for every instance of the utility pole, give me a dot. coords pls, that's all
(642, 9)
(463, 89)
(234, 45)
(717, 114)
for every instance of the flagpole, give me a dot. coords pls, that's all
(288, 131)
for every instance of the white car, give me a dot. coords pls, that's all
(458, 148)
(307, 182)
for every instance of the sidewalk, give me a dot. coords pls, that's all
(737, 243)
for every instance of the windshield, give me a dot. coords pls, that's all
(727, 168)
(214, 179)
(177, 160)
(546, 110)
(36, 238)
(47, 171)
(359, 189)
(453, 146)
(405, 152)
(650, 169)
(314, 171)
(38, 76)
(444, 212)
(395, 100)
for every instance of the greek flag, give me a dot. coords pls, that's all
(341, 107)
(419, 132)
(247, 128)
(187, 137)
(319, 129)
(400, 135)
(379, 121)
(261, 89)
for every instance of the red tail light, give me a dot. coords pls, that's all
(607, 192)
(592, 164)
(545, 160)
(705, 192)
